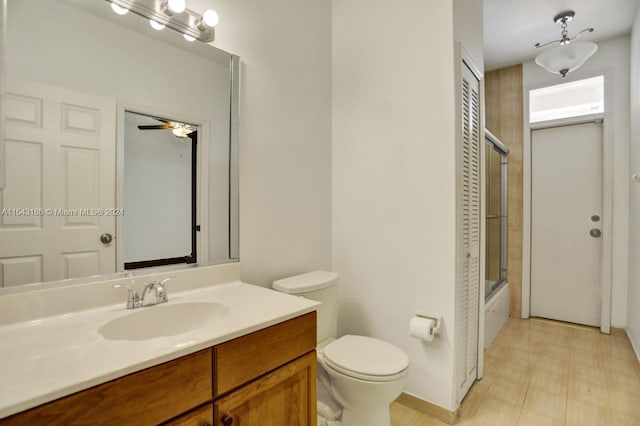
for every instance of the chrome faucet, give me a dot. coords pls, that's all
(159, 288)
(135, 301)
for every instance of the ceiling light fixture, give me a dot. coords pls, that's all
(567, 56)
(173, 14)
(181, 130)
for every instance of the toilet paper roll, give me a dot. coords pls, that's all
(422, 328)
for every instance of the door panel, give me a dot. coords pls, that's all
(566, 191)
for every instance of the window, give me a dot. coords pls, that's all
(582, 97)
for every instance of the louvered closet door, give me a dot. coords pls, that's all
(469, 235)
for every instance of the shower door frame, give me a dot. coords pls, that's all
(502, 149)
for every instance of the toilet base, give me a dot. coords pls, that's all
(324, 422)
(370, 417)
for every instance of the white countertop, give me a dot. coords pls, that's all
(45, 359)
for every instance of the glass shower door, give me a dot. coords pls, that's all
(496, 214)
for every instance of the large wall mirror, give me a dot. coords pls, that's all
(121, 146)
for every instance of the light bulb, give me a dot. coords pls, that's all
(181, 131)
(119, 9)
(177, 6)
(156, 25)
(188, 37)
(210, 18)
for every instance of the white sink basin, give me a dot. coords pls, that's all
(162, 320)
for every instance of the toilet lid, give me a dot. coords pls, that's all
(365, 356)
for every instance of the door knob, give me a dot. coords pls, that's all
(595, 233)
(227, 420)
(106, 238)
(595, 218)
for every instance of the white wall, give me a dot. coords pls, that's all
(633, 299)
(285, 132)
(468, 28)
(611, 59)
(394, 178)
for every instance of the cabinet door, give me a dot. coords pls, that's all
(284, 397)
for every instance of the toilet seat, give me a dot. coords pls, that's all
(365, 358)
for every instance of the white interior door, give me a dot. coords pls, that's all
(60, 171)
(566, 223)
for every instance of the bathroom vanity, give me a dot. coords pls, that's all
(253, 362)
(268, 375)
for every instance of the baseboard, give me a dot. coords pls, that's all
(428, 408)
(620, 332)
(634, 345)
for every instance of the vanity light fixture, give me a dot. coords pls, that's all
(210, 18)
(156, 25)
(173, 14)
(119, 9)
(567, 56)
(176, 6)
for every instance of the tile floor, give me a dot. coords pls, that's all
(540, 372)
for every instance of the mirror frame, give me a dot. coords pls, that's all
(233, 186)
(3, 50)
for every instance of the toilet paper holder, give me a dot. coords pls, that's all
(437, 319)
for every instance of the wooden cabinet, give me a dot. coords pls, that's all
(240, 360)
(147, 397)
(202, 416)
(264, 378)
(285, 396)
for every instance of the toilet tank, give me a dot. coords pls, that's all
(321, 286)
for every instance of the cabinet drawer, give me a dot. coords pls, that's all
(243, 359)
(202, 416)
(148, 397)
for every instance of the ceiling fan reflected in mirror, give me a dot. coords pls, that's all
(179, 130)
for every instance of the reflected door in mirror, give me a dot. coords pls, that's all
(60, 184)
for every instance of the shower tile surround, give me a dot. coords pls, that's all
(540, 372)
(50, 345)
(504, 118)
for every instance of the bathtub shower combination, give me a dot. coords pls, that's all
(496, 287)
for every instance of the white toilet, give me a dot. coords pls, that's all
(358, 376)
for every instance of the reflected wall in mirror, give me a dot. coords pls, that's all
(73, 69)
(160, 187)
